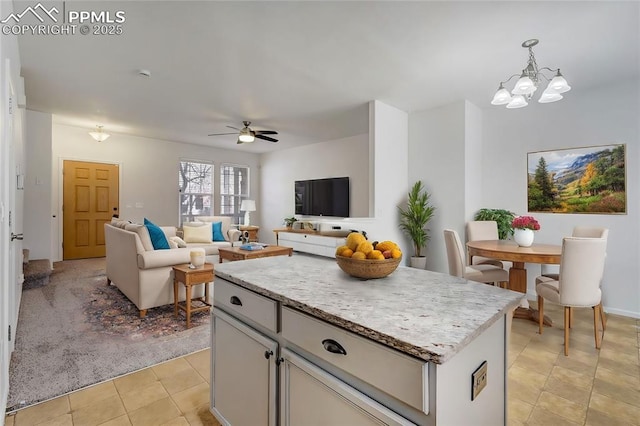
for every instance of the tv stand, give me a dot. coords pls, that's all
(310, 241)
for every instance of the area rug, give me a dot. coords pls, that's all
(77, 331)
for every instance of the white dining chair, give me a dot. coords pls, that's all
(490, 274)
(578, 283)
(551, 271)
(481, 230)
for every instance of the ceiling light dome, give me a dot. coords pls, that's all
(501, 97)
(99, 135)
(246, 135)
(559, 84)
(549, 95)
(518, 101)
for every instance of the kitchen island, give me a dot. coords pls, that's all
(297, 341)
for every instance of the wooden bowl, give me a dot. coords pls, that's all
(367, 268)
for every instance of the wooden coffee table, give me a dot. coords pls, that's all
(236, 253)
(189, 277)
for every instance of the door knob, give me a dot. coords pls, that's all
(16, 236)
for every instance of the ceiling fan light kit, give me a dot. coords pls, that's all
(528, 82)
(247, 135)
(246, 138)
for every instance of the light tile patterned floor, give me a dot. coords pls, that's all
(589, 387)
(172, 393)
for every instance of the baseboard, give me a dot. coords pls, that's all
(622, 312)
(534, 297)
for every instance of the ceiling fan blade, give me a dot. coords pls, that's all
(265, 132)
(234, 128)
(220, 134)
(266, 138)
(239, 142)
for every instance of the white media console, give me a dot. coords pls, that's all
(309, 241)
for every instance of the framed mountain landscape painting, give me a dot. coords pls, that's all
(578, 180)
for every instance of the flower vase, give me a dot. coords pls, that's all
(523, 237)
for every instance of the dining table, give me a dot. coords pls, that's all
(508, 250)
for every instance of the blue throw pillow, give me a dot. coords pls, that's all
(217, 231)
(158, 239)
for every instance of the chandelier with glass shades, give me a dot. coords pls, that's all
(528, 82)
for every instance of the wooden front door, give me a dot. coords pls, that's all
(90, 199)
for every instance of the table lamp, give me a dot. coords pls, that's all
(247, 206)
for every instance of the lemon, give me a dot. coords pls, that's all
(359, 255)
(347, 252)
(340, 249)
(386, 245)
(396, 253)
(375, 254)
(365, 247)
(353, 239)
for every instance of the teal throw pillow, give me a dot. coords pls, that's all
(217, 231)
(158, 239)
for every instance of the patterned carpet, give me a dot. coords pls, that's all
(110, 312)
(77, 331)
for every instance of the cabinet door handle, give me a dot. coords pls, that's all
(267, 354)
(333, 347)
(235, 300)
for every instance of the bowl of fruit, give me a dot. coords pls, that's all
(363, 259)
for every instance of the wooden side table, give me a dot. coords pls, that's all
(189, 277)
(252, 230)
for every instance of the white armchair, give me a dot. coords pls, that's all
(578, 284)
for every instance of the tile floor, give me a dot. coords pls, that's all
(590, 387)
(175, 392)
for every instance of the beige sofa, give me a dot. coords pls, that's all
(145, 275)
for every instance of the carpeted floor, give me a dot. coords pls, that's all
(77, 331)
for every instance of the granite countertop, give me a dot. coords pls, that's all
(426, 314)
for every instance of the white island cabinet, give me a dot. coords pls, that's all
(296, 341)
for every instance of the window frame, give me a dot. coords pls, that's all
(238, 216)
(189, 215)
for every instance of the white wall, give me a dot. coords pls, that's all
(38, 215)
(472, 161)
(583, 118)
(148, 172)
(388, 173)
(279, 170)
(437, 157)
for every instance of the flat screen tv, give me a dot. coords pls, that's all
(322, 197)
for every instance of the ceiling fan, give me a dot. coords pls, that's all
(247, 135)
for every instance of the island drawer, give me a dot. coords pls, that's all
(386, 369)
(240, 301)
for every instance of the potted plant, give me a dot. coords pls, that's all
(413, 222)
(502, 217)
(289, 221)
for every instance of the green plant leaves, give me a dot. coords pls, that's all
(416, 215)
(502, 217)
